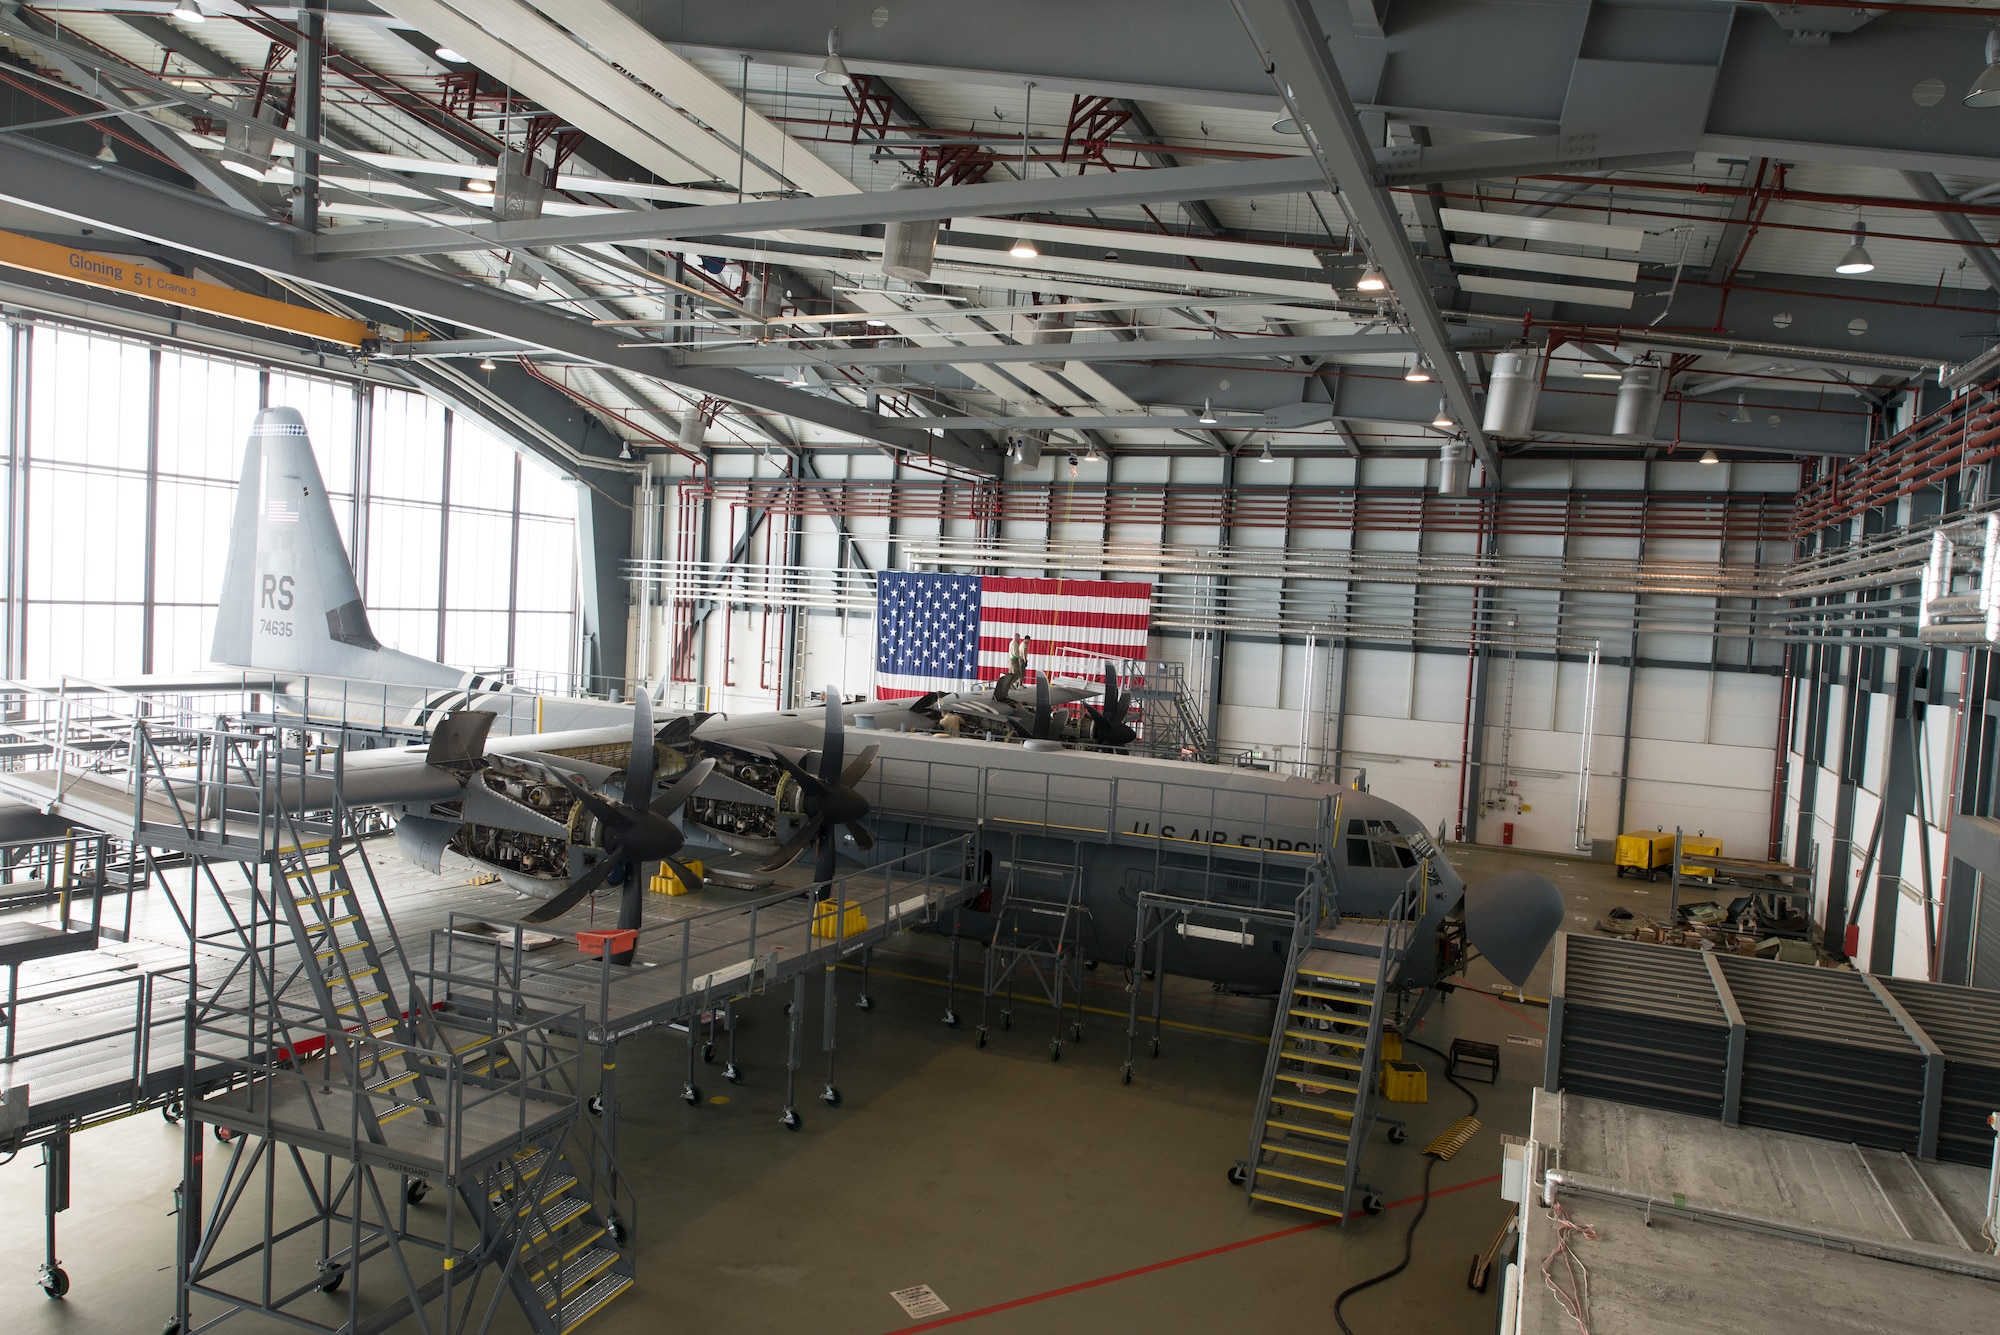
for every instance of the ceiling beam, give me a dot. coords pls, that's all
(1977, 248)
(59, 183)
(1299, 60)
(1108, 350)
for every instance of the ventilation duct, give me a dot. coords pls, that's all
(908, 247)
(246, 149)
(1452, 469)
(1512, 393)
(1641, 390)
(1051, 327)
(761, 299)
(694, 429)
(519, 187)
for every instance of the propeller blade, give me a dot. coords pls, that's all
(607, 812)
(639, 768)
(579, 889)
(826, 864)
(689, 877)
(793, 763)
(789, 854)
(832, 748)
(670, 801)
(852, 774)
(1043, 718)
(862, 839)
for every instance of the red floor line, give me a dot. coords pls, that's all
(1102, 1280)
(1513, 1012)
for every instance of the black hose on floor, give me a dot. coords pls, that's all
(1431, 1161)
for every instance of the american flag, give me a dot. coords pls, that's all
(952, 632)
(279, 506)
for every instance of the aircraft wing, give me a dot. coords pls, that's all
(205, 682)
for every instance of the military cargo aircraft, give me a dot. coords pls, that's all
(563, 797)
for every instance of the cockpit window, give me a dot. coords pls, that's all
(1377, 843)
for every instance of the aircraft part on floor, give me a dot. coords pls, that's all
(1511, 918)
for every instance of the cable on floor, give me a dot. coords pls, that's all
(1431, 1161)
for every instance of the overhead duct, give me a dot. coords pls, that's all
(761, 299)
(1512, 393)
(1051, 328)
(247, 149)
(1511, 918)
(694, 429)
(1452, 468)
(519, 188)
(909, 247)
(1641, 391)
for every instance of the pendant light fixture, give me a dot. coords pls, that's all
(1857, 259)
(1985, 91)
(833, 72)
(1207, 417)
(189, 11)
(1372, 278)
(1710, 457)
(1265, 457)
(1443, 421)
(1419, 372)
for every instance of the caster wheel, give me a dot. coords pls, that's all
(224, 1134)
(951, 1019)
(790, 1121)
(1155, 1046)
(416, 1191)
(733, 1073)
(335, 1276)
(596, 1105)
(1128, 1076)
(173, 1327)
(1055, 1050)
(1076, 1032)
(708, 1053)
(1372, 1204)
(866, 1003)
(691, 1096)
(1397, 1135)
(788, 1010)
(1006, 1019)
(620, 1234)
(1238, 1175)
(982, 1038)
(830, 1097)
(55, 1281)
(1090, 966)
(171, 1112)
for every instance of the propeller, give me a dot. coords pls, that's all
(1112, 729)
(634, 834)
(830, 795)
(1043, 723)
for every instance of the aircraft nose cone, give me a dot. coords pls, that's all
(1511, 918)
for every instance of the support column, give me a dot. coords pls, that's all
(149, 588)
(19, 389)
(1219, 638)
(311, 56)
(1899, 793)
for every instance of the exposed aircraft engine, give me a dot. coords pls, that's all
(1511, 918)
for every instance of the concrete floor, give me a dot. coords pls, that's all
(1029, 1195)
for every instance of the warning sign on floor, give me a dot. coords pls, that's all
(1524, 1040)
(920, 1301)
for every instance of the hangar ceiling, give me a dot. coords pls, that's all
(1150, 214)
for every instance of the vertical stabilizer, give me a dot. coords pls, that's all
(289, 600)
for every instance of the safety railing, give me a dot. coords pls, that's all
(725, 951)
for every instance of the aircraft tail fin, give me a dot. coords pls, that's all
(289, 598)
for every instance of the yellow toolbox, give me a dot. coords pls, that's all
(1644, 852)
(667, 881)
(1694, 846)
(1392, 1046)
(1404, 1082)
(839, 921)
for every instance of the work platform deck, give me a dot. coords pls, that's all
(103, 1029)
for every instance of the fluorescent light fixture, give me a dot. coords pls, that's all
(1372, 279)
(1265, 457)
(1599, 371)
(451, 57)
(487, 364)
(1443, 421)
(478, 185)
(1985, 92)
(189, 11)
(1285, 125)
(833, 72)
(1710, 457)
(1207, 417)
(1857, 259)
(243, 164)
(1023, 249)
(1419, 372)
(877, 322)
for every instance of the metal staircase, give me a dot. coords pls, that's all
(1317, 1105)
(568, 1260)
(1038, 924)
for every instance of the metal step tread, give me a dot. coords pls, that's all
(592, 1300)
(1330, 1109)
(1297, 1202)
(1311, 1082)
(1314, 1036)
(572, 1243)
(1323, 1132)
(1302, 1179)
(1345, 998)
(1319, 1059)
(1287, 1148)
(577, 1272)
(553, 1218)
